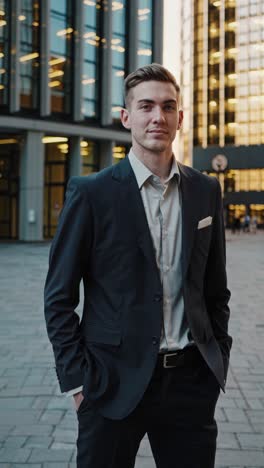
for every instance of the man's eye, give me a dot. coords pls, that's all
(169, 108)
(145, 107)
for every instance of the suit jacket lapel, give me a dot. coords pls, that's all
(190, 199)
(131, 213)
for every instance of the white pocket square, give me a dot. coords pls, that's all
(205, 222)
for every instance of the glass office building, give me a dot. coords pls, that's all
(223, 98)
(62, 66)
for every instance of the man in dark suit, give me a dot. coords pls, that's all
(151, 351)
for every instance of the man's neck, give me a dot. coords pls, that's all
(158, 163)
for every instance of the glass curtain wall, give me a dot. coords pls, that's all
(118, 46)
(60, 71)
(250, 73)
(145, 12)
(91, 49)
(4, 47)
(29, 54)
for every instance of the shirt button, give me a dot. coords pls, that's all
(158, 297)
(155, 340)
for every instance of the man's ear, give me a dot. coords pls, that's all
(180, 119)
(125, 118)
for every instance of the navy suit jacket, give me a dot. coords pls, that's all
(103, 239)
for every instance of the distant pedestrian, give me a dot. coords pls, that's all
(236, 226)
(246, 223)
(253, 224)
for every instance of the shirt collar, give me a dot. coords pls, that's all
(143, 173)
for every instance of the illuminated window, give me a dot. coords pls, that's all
(91, 47)
(90, 157)
(4, 46)
(119, 152)
(60, 82)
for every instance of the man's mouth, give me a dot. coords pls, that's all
(160, 131)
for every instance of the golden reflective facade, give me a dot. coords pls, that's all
(222, 84)
(227, 62)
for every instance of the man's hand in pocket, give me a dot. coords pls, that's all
(78, 398)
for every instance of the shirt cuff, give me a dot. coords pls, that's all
(73, 391)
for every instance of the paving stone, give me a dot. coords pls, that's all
(38, 442)
(251, 441)
(234, 427)
(52, 416)
(32, 429)
(236, 415)
(144, 449)
(62, 446)
(15, 441)
(227, 441)
(66, 435)
(16, 403)
(256, 415)
(41, 455)
(37, 390)
(11, 455)
(240, 458)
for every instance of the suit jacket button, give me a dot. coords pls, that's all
(155, 340)
(158, 297)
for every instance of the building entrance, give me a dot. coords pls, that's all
(9, 189)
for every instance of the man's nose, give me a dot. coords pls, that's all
(158, 114)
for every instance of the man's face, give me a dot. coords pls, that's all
(153, 116)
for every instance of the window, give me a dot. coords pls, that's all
(56, 175)
(29, 54)
(60, 56)
(118, 47)
(4, 47)
(145, 32)
(90, 157)
(91, 47)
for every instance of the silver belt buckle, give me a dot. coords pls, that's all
(166, 356)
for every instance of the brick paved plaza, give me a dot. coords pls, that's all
(38, 425)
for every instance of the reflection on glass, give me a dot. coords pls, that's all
(90, 157)
(29, 53)
(119, 153)
(61, 32)
(118, 46)
(145, 32)
(91, 44)
(4, 45)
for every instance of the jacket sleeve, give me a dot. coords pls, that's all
(67, 264)
(216, 293)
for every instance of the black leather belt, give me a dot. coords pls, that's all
(179, 358)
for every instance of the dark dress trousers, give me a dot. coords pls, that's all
(103, 239)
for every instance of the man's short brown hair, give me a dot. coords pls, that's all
(152, 72)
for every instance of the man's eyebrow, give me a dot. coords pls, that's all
(174, 101)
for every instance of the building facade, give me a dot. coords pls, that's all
(223, 98)
(62, 66)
